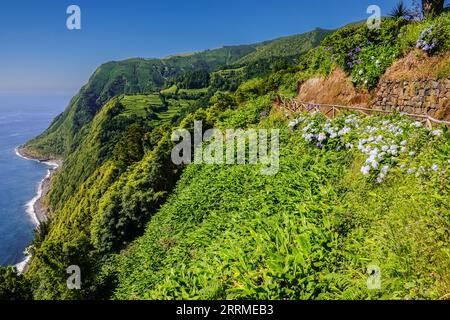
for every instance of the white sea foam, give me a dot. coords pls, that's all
(22, 265)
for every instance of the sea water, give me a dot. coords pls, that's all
(21, 118)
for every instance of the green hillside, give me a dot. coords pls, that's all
(134, 76)
(351, 193)
(287, 47)
(146, 76)
(102, 137)
(107, 191)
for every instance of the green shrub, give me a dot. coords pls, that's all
(431, 35)
(13, 286)
(369, 63)
(352, 48)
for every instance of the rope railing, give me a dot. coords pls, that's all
(294, 105)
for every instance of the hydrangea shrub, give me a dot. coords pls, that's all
(385, 143)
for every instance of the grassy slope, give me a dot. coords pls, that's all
(309, 232)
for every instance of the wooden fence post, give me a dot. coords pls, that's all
(295, 105)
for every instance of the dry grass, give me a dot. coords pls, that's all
(417, 66)
(334, 89)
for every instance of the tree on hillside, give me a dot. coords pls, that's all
(130, 148)
(197, 79)
(432, 7)
(13, 286)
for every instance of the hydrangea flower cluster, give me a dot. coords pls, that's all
(353, 60)
(329, 134)
(368, 62)
(384, 143)
(427, 42)
(382, 146)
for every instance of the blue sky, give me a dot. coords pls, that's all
(39, 55)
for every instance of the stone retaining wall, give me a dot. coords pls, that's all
(419, 97)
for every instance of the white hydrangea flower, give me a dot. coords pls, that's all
(344, 131)
(365, 170)
(372, 161)
(385, 169)
(322, 136)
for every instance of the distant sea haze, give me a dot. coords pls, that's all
(21, 118)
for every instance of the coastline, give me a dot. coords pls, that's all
(35, 207)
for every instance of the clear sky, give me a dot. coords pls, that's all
(39, 54)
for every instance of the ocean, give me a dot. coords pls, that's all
(21, 118)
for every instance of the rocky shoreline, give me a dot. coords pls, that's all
(37, 207)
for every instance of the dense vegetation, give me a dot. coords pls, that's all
(351, 192)
(311, 231)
